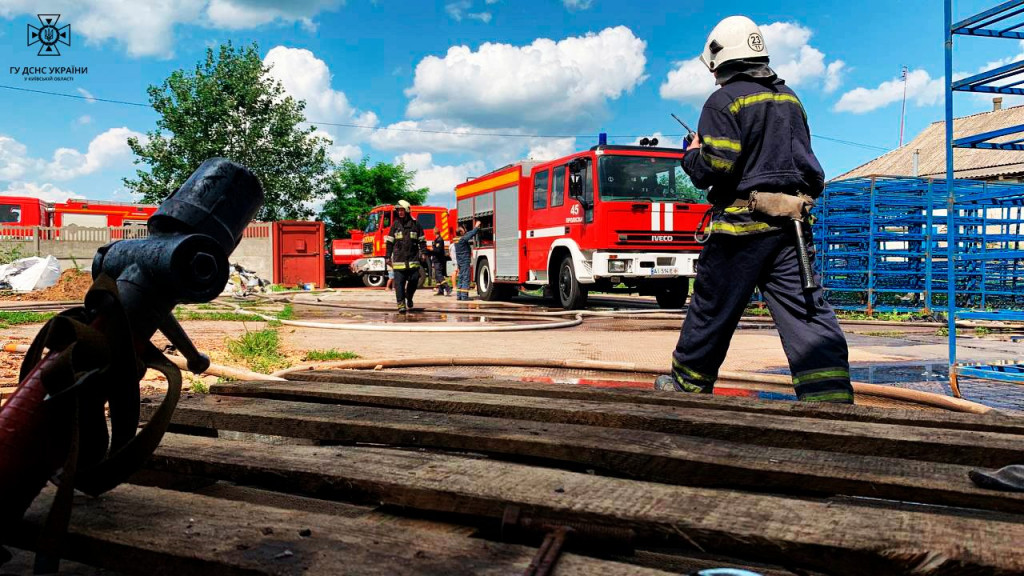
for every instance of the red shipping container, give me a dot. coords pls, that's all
(299, 253)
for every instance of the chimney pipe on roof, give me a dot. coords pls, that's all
(917, 158)
(997, 103)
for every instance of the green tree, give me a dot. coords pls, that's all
(685, 190)
(229, 106)
(358, 188)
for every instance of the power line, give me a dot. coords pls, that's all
(426, 130)
(75, 96)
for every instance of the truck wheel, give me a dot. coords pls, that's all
(375, 280)
(571, 294)
(673, 298)
(485, 287)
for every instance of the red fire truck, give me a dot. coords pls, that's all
(364, 252)
(593, 220)
(101, 214)
(24, 211)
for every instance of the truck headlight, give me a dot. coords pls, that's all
(616, 266)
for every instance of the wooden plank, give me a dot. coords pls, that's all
(674, 562)
(650, 456)
(991, 422)
(835, 538)
(153, 532)
(22, 563)
(933, 444)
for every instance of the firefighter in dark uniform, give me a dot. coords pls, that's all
(753, 152)
(438, 258)
(463, 258)
(405, 246)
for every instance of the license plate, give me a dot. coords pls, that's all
(665, 271)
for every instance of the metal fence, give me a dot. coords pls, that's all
(882, 244)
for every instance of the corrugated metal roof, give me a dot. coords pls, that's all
(968, 163)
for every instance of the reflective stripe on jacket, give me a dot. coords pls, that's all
(405, 243)
(754, 136)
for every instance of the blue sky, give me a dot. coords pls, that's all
(526, 67)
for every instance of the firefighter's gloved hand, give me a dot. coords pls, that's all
(796, 207)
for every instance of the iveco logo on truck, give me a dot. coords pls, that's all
(662, 238)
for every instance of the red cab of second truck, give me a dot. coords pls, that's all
(364, 251)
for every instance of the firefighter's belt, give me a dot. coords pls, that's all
(777, 204)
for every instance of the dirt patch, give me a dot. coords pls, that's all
(72, 285)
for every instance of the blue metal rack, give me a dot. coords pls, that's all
(882, 245)
(1002, 21)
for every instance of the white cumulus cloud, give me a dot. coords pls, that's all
(792, 56)
(108, 149)
(834, 76)
(440, 137)
(240, 14)
(552, 148)
(45, 191)
(440, 180)
(15, 162)
(922, 90)
(306, 77)
(545, 83)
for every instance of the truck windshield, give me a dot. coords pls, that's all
(10, 213)
(374, 220)
(631, 178)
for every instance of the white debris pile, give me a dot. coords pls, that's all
(28, 274)
(242, 282)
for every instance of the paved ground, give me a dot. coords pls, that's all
(898, 355)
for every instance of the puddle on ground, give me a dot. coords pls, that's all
(934, 377)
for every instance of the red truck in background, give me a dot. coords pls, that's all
(25, 211)
(19, 215)
(593, 220)
(364, 252)
(101, 214)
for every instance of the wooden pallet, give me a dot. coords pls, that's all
(361, 473)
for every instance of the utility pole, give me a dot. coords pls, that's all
(903, 113)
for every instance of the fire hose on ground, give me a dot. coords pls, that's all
(860, 388)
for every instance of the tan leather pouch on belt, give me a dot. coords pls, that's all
(777, 204)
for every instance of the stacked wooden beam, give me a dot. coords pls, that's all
(355, 473)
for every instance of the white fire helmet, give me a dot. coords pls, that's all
(404, 205)
(734, 38)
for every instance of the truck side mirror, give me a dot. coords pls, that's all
(576, 168)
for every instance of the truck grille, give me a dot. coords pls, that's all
(654, 240)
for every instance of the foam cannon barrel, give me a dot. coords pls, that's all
(57, 410)
(185, 257)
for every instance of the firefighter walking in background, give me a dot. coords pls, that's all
(463, 258)
(753, 151)
(438, 258)
(405, 245)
